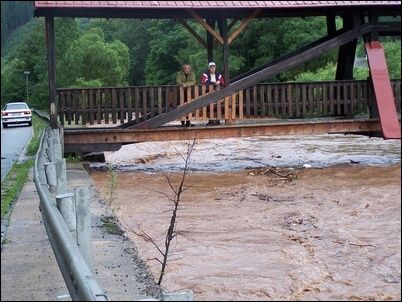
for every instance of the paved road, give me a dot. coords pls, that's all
(13, 140)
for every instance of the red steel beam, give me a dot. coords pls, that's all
(127, 136)
(383, 90)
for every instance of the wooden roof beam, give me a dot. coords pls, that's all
(192, 32)
(205, 25)
(244, 24)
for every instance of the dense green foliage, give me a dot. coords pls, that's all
(119, 52)
(13, 15)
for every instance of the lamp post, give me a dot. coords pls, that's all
(27, 73)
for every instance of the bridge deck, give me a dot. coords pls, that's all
(103, 139)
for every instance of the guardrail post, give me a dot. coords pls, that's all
(66, 206)
(50, 169)
(82, 206)
(61, 175)
(50, 144)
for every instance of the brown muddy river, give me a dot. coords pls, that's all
(329, 233)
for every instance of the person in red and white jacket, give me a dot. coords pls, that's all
(211, 77)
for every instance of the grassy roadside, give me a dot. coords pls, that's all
(12, 184)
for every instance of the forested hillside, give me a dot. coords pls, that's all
(118, 52)
(14, 14)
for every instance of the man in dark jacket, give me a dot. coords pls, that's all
(211, 77)
(186, 78)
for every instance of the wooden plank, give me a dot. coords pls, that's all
(159, 100)
(283, 100)
(74, 104)
(168, 96)
(338, 98)
(331, 98)
(290, 100)
(69, 107)
(244, 24)
(255, 105)
(219, 104)
(219, 109)
(106, 102)
(144, 103)
(121, 103)
(211, 106)
(241, 106)
(84, 107)
(137, 103)
(318, 99)
(152, 101)
(99, 107)
(192, 31)
(227, 114)
(269, 100)
(365, 95)
(234, 106)
(324, 88)
(189, 99)
(62, 102)
(181, 91)
(359, 104)
(262, 100)
(248, 103)
(304, 100)
(310, 99)
(204, 109)
(114, 102)
(175, 97)
(91, 107)
(276, 100)
(129, 104)
(196, 94)
(346, 104)
(205, 25)
(297, 89)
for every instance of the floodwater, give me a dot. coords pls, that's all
(249, 231)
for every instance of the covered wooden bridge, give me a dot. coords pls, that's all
(248, 106)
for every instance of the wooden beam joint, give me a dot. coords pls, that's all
(205, 25)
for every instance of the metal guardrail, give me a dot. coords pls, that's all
(68, 235)
(43, 115)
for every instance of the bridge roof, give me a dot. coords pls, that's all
(164, 9)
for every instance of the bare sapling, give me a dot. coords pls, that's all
(175, 200)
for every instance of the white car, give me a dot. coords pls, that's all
(16, 113)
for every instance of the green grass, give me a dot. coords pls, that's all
(109, 222)
(12, 184)
(72, 159)
(38, 125)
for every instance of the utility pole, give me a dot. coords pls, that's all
(27, 73)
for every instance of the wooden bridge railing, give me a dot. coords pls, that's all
(118, 105)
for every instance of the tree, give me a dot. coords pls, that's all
(166, 39)
(171, 232)
(13, 15)
(134, 34)
(91, 58)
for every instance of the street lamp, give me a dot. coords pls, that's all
(27, 73)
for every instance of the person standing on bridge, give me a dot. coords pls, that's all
(186, 78)
(211, 77)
